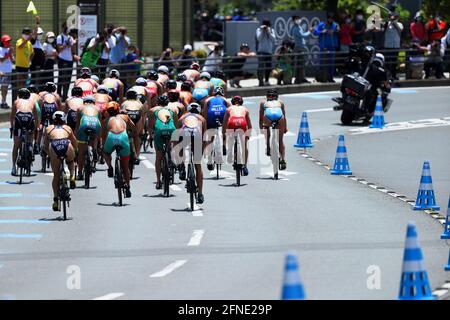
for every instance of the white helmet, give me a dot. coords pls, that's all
(194, 107)
(103, 88)
(379, 57)
(205, 75)
(163, 69)
(59, 114)
(114, 72)
(95, 78)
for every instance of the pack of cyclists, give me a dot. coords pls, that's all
(104, 117)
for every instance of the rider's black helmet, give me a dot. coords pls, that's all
(272, 93)
(77, 92)
(219, 74)
(24, 93)
(368, 52)
(163, 101)
(131, 95)
(181, 77)
(33, 89)
(171, 84)
(152, 75)
(50, 87)
(237, 100)
(186, 86)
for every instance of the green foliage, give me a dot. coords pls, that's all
(430, 8)
(200, 53)
(283, 5)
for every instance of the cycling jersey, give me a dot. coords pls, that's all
(273, 112)
(163, 128)
(60, 146)
(217, 82)
(135, 115)
(200, 93)
(24, 121)
(88, 122)
(236, 122)
(72, 117)
(87, 89)
(48, 108)
(217, 107)
(118, 139)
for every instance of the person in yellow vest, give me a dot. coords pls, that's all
(24, 55)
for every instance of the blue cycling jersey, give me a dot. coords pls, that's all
(217, 107)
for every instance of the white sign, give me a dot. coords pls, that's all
(87, 29)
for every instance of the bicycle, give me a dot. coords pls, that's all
(64, 190)
(273, 148)
(237, 165)
(24, 155)
(118, 175)
(217, 151)
(191, 180)
(132, 156)
(167, 167)
(45, 160)
(89, 164)
(145, 140)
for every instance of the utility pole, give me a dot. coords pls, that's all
(166, 28)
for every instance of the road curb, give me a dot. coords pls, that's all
(442, 292)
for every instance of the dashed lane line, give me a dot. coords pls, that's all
(110, 296)
(196, 238)
(169, 269)
(20, 236)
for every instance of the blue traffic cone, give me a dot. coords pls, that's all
(447, 267)
(425, 196)
(304, 137)
(378, 117)
(292, 286)
(341, 165)
(446, 233)
(414, 283)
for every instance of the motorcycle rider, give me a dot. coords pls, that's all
(378, 78)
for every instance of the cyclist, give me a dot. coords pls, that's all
(146, 97)
(193, 73)
(153, 85)
(85, 81)
(114, 85)
(50, 102)
(219, 80)
(23, 117)
(181, 77)
(73, 104)
(193, 122)
(37, 102)
(102, 98)
(203, 88)
(214, 111)
(88, 118)
(163, 121)
(272, 110)
(174, 102)
(237, 119)
(186, 93)
(60, 142)
(163, 74)
(137, 112)
(116, 124)
(170, 85)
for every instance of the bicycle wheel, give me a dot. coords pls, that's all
(237, 165)
(64, 190)
(44, 162)
(217, 171)
(87, 169)
(191, 185)
(118, 179)
(275, 156)
(132, 159)
(166, 175)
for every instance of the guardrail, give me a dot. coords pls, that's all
(231, 65)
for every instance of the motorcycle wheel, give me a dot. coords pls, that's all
(347, 117)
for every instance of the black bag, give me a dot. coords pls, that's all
(355, 83)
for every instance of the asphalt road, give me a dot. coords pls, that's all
(234, 247)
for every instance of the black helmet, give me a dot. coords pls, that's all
(173, 95)
(24, 93)
(77, 92)
(141, 82)
(152, 75)
(237, 100)
(50, 87)
(186, 86)
(272, 93)
(85, 73)
(219, 74)
(171, 84)
(33, 89)
(131, 95)
(369, 51)
(181, 77)
(163, 101)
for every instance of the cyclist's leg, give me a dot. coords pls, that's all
(137, 138)
(15, 149)
(55, 164)
(82, 149)
(125, 157)
(158, 157)
(70, 157)
(199, 177)
(281, 129)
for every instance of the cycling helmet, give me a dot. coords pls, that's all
(220, 75)
(33, 89)
(77, 92)
(89, 99)
(173, 95)
(186, 86)
(163, 69)
(95, 78)
(195, 66)
(50, 87)
(112, 108)
(272, 93)
(141, 82)
(85, 72)
(59, 115)
(102, 89)
(219, 90)
(24, 93)
(237, 100)
(181, 77)
(171, 84)
(152, 75)
(205, 75)
(131, 95)
(163, 101)
(114, 73)
(194, 107)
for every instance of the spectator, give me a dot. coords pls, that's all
(237, 72)
(433, 60)
(37, 64)
(328, 42)
(359, 27)
(239, 15)
(346, 34)
(166, 59)
(376, 31)
(24, 56)
(392, 41)
(94, 51)
(283, 69)
(436, 28)
(214, 59)
(103, 61)
(118, 53)
(418, 30)
(300, 35)
(135, 60)
(6, 66)
(445, 43)
(185, 60)
(64, 45)
(265, 37)
(51, 55)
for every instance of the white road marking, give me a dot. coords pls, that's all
(405, 125)
(170, 268)
(319, 110)
(50, 174)
(3, 154)
(175, 187)
(439, 292)
(197, 210)
(196, 238)
(110, 296)
(146, 162)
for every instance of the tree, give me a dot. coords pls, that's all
(430, 8)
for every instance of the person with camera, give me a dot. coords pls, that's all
(283, 70)
(64, 44)
(213, 61)
(327, 31)
(392, 42)
(94, 51)
(436, 28)
(265, 37)
(166, 58)
(110, 42)
(118, 53)
(300, 35)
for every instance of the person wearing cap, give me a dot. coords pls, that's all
(6, 67)
(185, 60)
(203, 88)
(51, 54)
(166, 58)
(65, 44)
(163, 75)
(192, 73)
(24, 56)
(392, 42)
(236, 72)
(115, 85)
(38, 61)
(266, 38)
(327, 31)
(118, 53)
